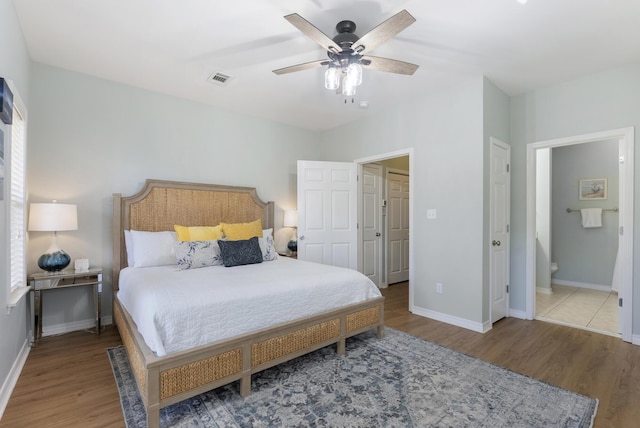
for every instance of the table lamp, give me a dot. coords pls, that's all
(291, 220)
(53, 217)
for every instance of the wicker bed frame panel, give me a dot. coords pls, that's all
(163, 381)
(274, 348)
(136, 358)
(362, 319)
(189, 376)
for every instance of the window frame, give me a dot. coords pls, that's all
(17, 286)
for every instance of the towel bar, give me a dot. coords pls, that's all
(569, 210)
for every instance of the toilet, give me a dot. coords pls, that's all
(554, 267)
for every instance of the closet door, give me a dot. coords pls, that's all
(371, 224)
(397, 226)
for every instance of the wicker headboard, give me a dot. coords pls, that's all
(162, 204)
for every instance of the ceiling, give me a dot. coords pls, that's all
(173, 47)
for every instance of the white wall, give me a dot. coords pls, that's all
(14, 65)
(603, 101)
(89, 138)
(543, 221)
(446, 132)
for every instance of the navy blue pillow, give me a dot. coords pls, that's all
(236, 253)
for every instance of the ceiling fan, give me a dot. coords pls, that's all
(347, 52)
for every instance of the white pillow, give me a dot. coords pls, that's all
(153, 248)
(128, 243)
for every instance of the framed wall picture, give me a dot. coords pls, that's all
(593, 189)
(6, 102)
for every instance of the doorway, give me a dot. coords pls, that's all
(581, 293)
(539, 259)
(401, 160)
(385, 221)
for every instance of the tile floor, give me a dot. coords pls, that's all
(591, 309)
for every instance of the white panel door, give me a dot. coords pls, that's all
(372, 222)
(397, 227)
(327, 216)
(499, 219)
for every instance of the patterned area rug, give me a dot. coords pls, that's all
(398, 381)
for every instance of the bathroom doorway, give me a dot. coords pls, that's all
(583, 293)
(563, 209)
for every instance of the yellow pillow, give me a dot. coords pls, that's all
(239, 231)
(198, 233)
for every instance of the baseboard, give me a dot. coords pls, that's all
(516, 313)
(635, 339)
(12, 378)
(581, 285)
(68, 327)
(544, 290)
(449, 319)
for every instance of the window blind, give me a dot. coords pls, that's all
(18, 204)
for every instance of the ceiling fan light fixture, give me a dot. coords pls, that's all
(347, 51)
(354, 73)
(332, 78)
(348, 88)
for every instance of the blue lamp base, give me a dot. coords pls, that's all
(52, 262)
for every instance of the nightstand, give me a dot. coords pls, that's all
(42, 281)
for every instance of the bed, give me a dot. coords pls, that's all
(183, 373)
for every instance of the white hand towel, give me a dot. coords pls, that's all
(591, 217)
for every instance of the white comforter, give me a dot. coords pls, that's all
(176, 310)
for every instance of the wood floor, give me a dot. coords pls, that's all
(67, 380)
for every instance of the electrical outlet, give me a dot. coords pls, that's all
(439, 287)
(431, 214)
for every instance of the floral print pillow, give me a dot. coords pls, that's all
(197, 254)
(268, 248)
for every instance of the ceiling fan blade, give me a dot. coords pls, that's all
(312, 32)
(303, 66)
(383, 32)
(388, 65)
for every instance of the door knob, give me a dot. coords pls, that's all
(377, 233)
(301, 238)
(495, 243)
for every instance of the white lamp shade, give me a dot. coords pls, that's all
(53, 217)
(290, 218)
